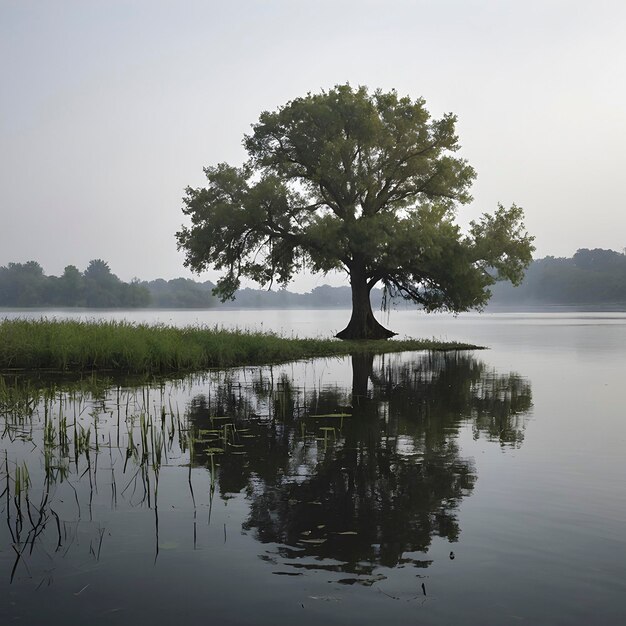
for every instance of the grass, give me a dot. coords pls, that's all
(74, 346)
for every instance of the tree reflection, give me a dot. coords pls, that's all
(361, 475)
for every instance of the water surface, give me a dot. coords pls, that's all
(473, 487)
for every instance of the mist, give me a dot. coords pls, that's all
(111, 109)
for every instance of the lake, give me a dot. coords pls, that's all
(481, 487)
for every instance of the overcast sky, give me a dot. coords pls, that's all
(109, 109)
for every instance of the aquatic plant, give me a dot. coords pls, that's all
(78, 346)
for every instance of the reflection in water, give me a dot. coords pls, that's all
(351, 478)
(71, 452)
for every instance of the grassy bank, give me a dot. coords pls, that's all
(120, 346)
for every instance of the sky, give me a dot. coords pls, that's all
(109, 109)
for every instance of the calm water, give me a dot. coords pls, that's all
(485, 487)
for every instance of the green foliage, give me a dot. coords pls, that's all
(99, 271)
(26, 285)
(353, 181)
(143, 349)
(22, 284)
(590, 277)
(71, 286)
(180, 292)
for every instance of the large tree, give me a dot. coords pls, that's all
(356, 181)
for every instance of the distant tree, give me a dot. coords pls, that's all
(599, 260)
(71, 286)
(359, 182)
(25, 284)
(22, 284)
(105, 289)
(591, 277)
(327, 296)
(98, 270)
(179, 292)
(135, 294)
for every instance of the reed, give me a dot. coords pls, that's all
(76, 346)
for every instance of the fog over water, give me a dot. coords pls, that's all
(110, 109)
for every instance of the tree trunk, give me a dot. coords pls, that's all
(363, 324)
(362, 366)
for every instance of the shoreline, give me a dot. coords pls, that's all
(114, 346)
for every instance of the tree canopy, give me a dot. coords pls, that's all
(356, 181)
(590, 278)
(26, 285)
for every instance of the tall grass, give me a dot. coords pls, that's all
(141, 348)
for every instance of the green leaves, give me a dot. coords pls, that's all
(353, 180)
(499, 241)
(357, 152)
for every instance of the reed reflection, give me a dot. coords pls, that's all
(346, 476)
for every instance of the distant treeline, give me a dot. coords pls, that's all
(590, 277)
(186, 293)
(26, 285)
